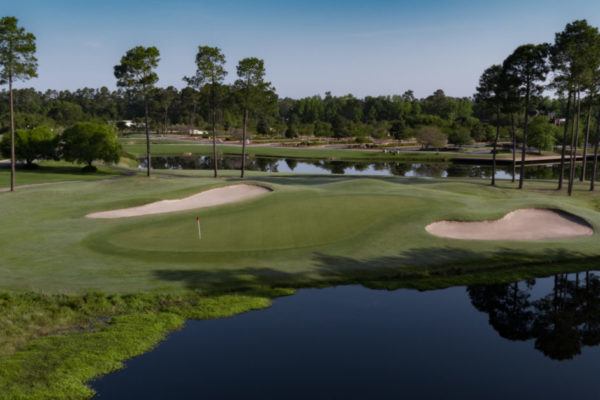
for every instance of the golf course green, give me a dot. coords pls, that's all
(90, 293)
(306, 230)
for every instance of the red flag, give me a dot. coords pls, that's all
(197, 218)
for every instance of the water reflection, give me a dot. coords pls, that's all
(408, 169)
(561, 321)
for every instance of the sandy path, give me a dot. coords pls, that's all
(207, 198)
(523, 224)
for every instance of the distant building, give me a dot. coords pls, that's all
(196, 132)
(130, 124)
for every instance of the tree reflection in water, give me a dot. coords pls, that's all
(561, 322)
(423, 170)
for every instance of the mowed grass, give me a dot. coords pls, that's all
(309, 230)
(53, 171)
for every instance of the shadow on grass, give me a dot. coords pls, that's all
(422, 268)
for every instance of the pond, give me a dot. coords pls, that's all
(406, 169)
(532, 339)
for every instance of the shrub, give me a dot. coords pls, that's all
(85, 142)
(431, 136)
(31, 144)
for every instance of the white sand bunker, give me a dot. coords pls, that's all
(208, 198)
(523, 224)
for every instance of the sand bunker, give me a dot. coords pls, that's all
(208, 198)
(523, 224)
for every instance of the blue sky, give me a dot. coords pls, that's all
(372, 47)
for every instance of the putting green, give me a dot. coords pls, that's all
(281, 223)
(310, 229)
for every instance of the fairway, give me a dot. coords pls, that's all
(307, 230)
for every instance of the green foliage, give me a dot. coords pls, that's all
(210, 69)
(575, 55)
(17, 48)
(136, 69)
(527, 68)
(323, 129)
(66, 113)
(482, 132)
(31, 144)
(542, 134)
(251, 86)
(398, 130)
(292, 127)
(82, 337)
(460, 137)
(85, 142)
(340, 127)
(431, 136)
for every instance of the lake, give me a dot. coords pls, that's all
(406, 169)
(532, 339)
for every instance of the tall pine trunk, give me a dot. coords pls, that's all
(213, 96)
(564, 145)
(574, 135)
(514, 148)
(244, 141)
(522, 170)
(495, 146)
(13, 161)
(595, 164)
(147, 135)
(214, 135)
(166, 123)
(587, 138)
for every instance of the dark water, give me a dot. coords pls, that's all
(407, 169)
(527, 340)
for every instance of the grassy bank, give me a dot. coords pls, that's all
(289, 152)
(82, 295)
(61, 342)
(54, 171)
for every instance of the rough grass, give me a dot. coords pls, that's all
(58, 364)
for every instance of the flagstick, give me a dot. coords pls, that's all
(199, 233)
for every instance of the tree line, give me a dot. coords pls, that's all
(571, 67)
(510, 98)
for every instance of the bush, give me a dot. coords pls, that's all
(460, 137)
(323, 129)
(85, 142)
(541, 133)
(431, 136)
(398, 130)
(31, 144)
(482, 132)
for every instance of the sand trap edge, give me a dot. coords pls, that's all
(212, 197)
(577, 227)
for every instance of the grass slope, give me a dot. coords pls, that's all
(53, 171)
